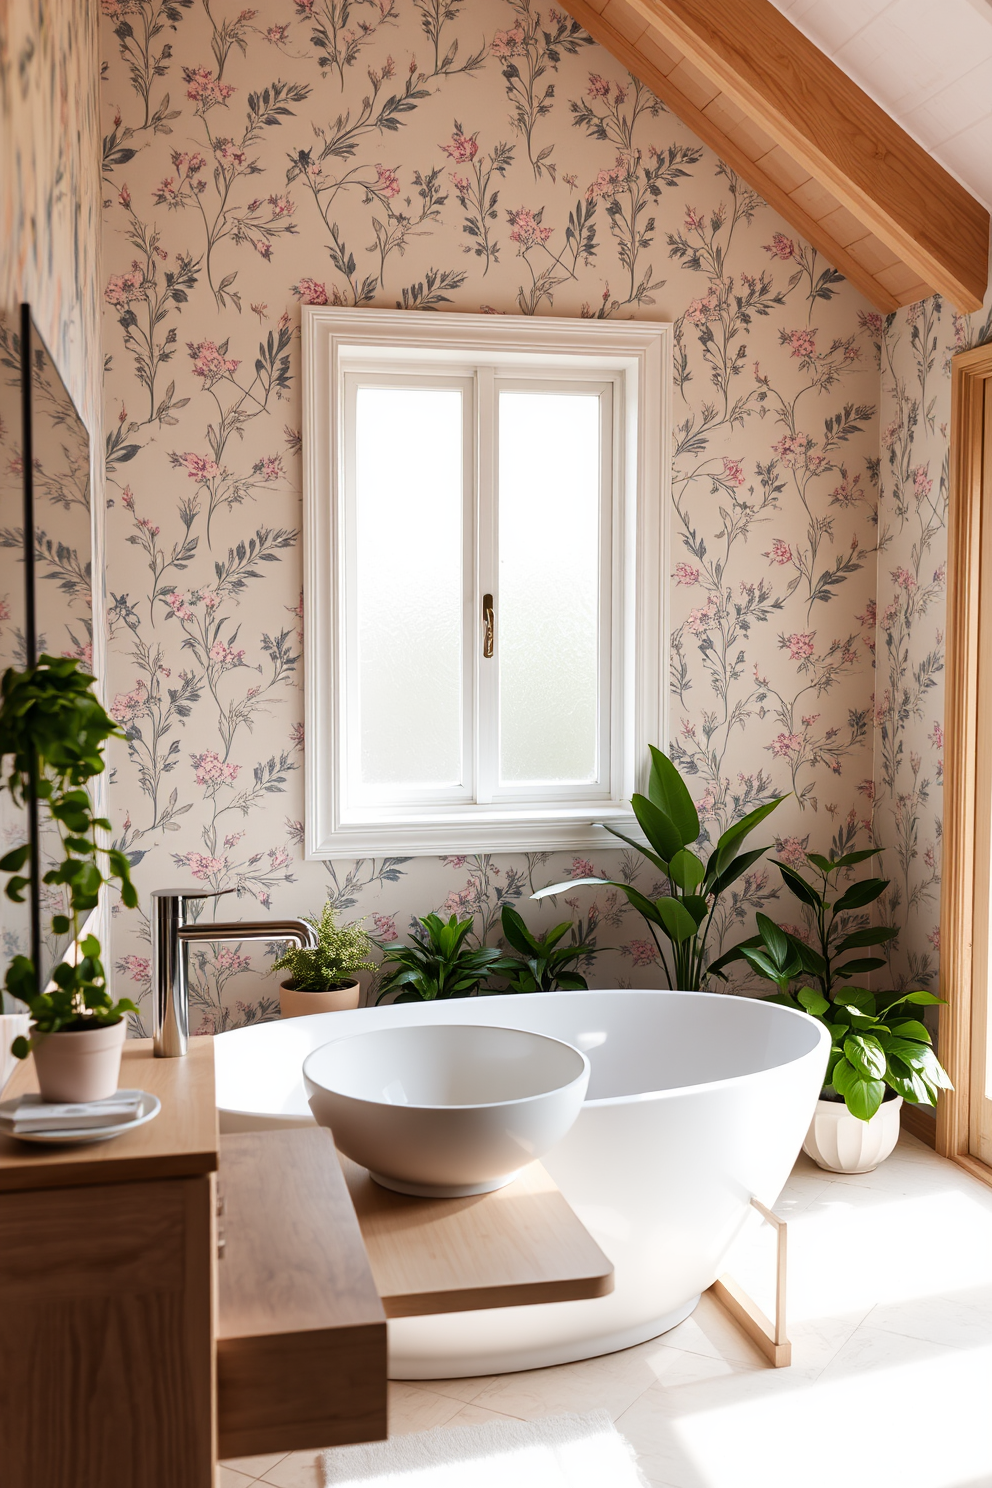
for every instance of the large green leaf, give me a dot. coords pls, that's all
(669, 792)
(736, 953)
(677, 923)
(922, 1060)
(866, 1054)
(813, 962)
(731, 839)
(862, 1097)
(862, 964)
(697, 906)
(686, 870)
(919, 998)
(869, 936)
(798, 885)
(657, 826)
(850, 1014)
(911, 1028)
(775, 939)
(642, 903)
(760, 961)
(849, 860)
(814, 1002)
(516, 931)
(734, 870)
(907, 1083)
(860, 894)
(659, 863)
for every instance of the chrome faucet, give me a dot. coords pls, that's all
(172, 931)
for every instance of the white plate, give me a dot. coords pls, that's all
(149, 1109)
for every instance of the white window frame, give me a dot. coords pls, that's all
(635, 357)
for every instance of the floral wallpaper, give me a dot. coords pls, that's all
(916, 347)
(442, 155)
(50, 182)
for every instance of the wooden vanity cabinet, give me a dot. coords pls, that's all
(106, 1294)
(114, 1302)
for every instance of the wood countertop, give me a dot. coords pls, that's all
(181, 1142)
(518, 1245)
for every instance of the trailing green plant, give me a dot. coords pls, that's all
(340, 953)
(684, 916)
(53, 730)
(545, 964)
(439, 964)
(875, 1044)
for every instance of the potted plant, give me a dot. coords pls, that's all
(544, 964)
(880, 1054)
(439, 964)
(668, 818)
(53, 730)
(322, 978)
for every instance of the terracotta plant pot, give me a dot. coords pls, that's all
(79, 1064)
(842, 1143)
(296, 1004)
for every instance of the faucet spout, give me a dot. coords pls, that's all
(172, 931)
(296, 930)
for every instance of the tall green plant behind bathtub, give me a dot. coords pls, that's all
(668, 818)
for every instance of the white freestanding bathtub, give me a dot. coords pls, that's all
(696, 1102)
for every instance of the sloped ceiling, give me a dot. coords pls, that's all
(927, 62)
(808, 137)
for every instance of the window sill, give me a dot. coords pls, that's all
(483, 830)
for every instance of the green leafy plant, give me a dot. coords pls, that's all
(53, 730)
(875, 1042)
(340, 953)
(830, 907)
(668, 818)
(439, 964)
(545, 963)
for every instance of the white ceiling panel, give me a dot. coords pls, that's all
(927, 62)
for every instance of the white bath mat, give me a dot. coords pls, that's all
(557, 1452)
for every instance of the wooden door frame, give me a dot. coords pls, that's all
(961, 918)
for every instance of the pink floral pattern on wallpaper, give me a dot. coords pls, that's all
(478, 157)
(915, 346)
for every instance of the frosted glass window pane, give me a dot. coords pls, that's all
(549, 578)
(408, 469)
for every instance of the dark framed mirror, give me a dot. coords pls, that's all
(16, 640)
(46, 581)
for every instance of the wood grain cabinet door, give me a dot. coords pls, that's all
(106, 1357)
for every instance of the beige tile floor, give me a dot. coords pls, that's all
(890, 1303)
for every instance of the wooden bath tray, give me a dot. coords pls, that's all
(519, 1245)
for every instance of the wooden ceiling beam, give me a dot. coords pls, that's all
(751, 57)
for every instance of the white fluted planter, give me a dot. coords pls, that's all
(842, 1143)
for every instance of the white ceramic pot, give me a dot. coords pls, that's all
(842, 1143)
(79, 1065)
(296, 1004)
(444, 1111)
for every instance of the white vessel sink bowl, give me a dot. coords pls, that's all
(446, 1110)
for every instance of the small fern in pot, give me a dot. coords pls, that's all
(324, 978)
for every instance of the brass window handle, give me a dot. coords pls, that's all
(488, 625)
